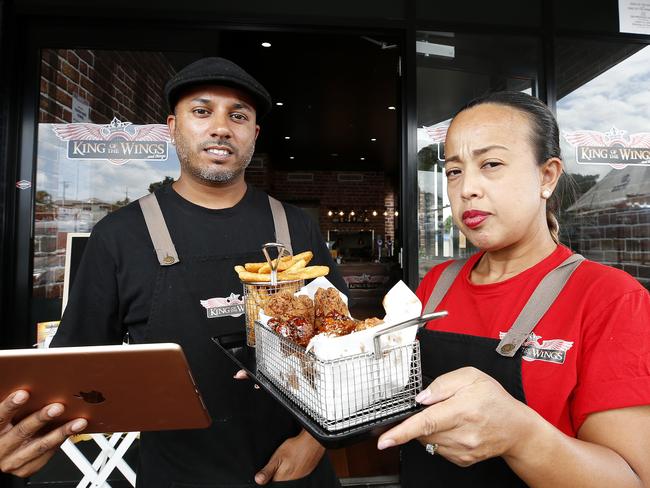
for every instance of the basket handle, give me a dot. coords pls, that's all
(420, 321)
(282, 251)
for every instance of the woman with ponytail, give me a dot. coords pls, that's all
(540, 373)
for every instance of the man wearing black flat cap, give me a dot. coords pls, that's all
(147, 274)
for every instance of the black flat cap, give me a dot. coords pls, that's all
(217, 71)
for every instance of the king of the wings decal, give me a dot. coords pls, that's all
(232, 306)
(551, 351)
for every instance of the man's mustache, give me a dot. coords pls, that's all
(217, 142)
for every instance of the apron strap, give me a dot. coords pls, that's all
(280, 223)
(538, 304)
(443, 284)
(162, 241)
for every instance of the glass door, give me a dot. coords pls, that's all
(330, 146)
(102, 142)
(451, 70)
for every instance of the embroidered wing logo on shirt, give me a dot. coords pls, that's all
(232, 306)
(551, 351)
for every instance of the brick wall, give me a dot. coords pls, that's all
(123, 84)
(615, 237)
(374, 193)
(391, 205)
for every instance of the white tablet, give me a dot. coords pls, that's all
(116, 388)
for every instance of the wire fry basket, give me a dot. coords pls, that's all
(255, 297)
(341, 393)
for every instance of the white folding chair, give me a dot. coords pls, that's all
(109, 458)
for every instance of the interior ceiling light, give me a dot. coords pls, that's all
(373, 140)
(374, 213)
(329, 213)
(341, 213)
(433, 49)
(287, 137)
(362, 159)
(266, 44)
(279, 104)
(391, 107)
(291, 157)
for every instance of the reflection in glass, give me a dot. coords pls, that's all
(102, 143)
(451, 70)
(603, 106)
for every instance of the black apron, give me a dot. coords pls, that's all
(443, 352)
(247, 425)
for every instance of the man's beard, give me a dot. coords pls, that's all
(213, 173)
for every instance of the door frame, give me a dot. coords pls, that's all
(98, 34)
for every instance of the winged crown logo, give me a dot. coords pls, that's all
(118, 142)
(232, 306)
(552, 350)
(438, 133)
(614, 147)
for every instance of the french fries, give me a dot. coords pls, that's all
(285, 262)
(266, 268)
(289, 268)
(295, 267)
(306, 273)
(251, 267)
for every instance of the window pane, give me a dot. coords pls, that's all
(451, 70)
(102, 143)
(603, 111)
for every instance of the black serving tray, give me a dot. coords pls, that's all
(234, 346)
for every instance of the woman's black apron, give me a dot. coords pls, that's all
(443, 352)
(247, 425)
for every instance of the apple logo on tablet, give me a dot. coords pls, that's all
(92, 396)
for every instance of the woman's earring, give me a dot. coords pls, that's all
(546, 194)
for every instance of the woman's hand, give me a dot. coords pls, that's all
(471, 418)
(296, 458)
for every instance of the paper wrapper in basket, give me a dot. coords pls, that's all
(341, 376)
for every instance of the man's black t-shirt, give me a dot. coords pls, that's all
(114, 284)
(113, 293)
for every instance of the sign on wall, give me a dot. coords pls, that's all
(615, 147)
(634, 16)
(117, 142)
